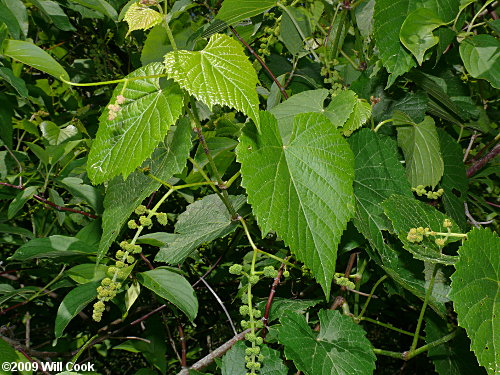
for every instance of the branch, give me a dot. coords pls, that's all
(269, 302)
(483, 161)
(221, 350)
(49, 203)
(257, 57)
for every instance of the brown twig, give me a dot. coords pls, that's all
(483, 161)
(183, 346)
(269, 302)
(148, 263)
(261, 62)
(47, 202)
(471, 142)
(208, 359)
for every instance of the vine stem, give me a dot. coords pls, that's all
(269, 302)
(365, 306)
(424, 307)
(112, 81)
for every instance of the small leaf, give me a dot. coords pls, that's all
(123, 196)
(87, 272)
(289, 33)
(173, 287)
(219, 74)
(475, 295)
(341, 108)
(203, 221)
(281, 305)
(420, 145)
(406, 213)
(20, 200)
(56, 135)
(481, 57)
(416, 32)
(55, 13)
(99, 5)
(340, 348)
(140, 17)
(234, 11)
(74, 302)
(52, 247)
(90, 194)
(124, 142)
(360, 115)
(34, 56)
(17, 83)
(300, 187)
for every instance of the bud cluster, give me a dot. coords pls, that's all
(416, 235)
(421, 191)
(115, 108)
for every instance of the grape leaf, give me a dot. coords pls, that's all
(388, 18)
(173, 287)
(453, 357)
(416, 32)
(140, 17)
(340, 348)
(341, 107)
(420, 145)
(406, 213)
(203, 221)
(359, 116)
(219, 74)
(475, 295)
(124, 142)
(481, 58)
(301, 187)
(123, 196)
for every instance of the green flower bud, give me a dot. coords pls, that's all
(244, 324)
(447, 223)
(286, 273)
(244, 310)
(236, 269)
(250, 337)
(257, 313)
(162, 218)
(261, 357)
(119, 264)
(132, 224)
(259, 340)
(440, 242)
(141, 210)
(136, 249)
(106, 281)
(120, 254)
(254, 279)
(145, 221)
(130, 259)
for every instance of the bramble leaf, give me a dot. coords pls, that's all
(140, 17)
(219, 74)
(124, 142)
(300, 187)
(475, 295)
(340, 348)
(420, 145)
(173, 287)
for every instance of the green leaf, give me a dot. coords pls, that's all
(340, 348)
(56, 135)
(378, 175)
(281, 305)
(203, 221)
(7, 355)
(124, 142)
(233, 362)
(99, 5)
(420, 145)
(20, 200)
(17, 83)
(34, 56)
(18, 10)
(454, 182)
(388, 18)
(56, 198)
(91, 195)
(453, 357)
(416, 32)
(55, 13)
(74, 302)
(289, 33)
(405, 213)
(481, 57)
(234, 11)
(173, 287)
(87, 272)
(123, 196)
(475, 295)
(219, 74)
(361, 113)
(301, 187)
(9, 19)
(52, 247)
(341, 108)
(6, 113)
(141, 17)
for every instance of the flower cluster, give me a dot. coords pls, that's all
(421, 191)
(145, 221)
(272, 35)
(417, 235)
(115, 108)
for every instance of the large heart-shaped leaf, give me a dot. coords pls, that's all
(123, 142)
(301, 187)
(475, 293)
(481, 58)
(340, 348)
(219, 74)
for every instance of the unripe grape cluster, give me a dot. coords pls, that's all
(417, 235)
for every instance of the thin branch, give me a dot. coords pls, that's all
(221, 350)
(483, 161)
(221, 304)
(261, 62)
(471, 142)
(269, 302)
(472, 220)
(183, 346)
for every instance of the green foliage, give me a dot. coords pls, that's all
(310, 170)
(340, 347)
(474, 291)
